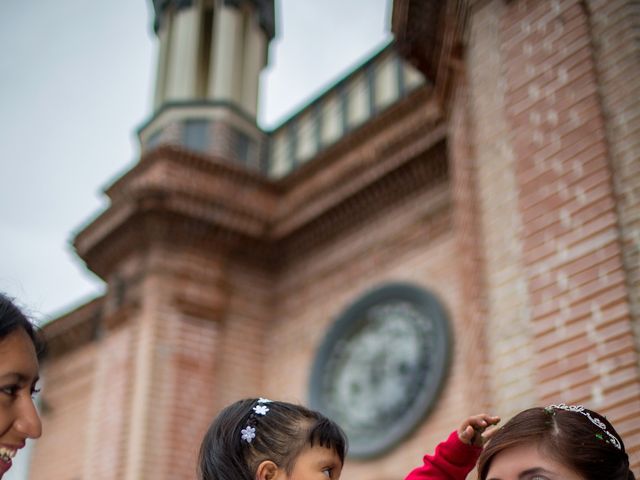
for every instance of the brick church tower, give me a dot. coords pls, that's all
(451, 227)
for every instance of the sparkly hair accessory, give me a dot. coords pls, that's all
(613, 440)
(248, 433)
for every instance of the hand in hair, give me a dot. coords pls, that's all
(477, 429)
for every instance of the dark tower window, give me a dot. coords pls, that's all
(195, 135)
(243, 148)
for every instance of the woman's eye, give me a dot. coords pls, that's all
(35, 391)
(327, 472)
(10, 390)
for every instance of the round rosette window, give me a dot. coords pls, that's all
(382, 365)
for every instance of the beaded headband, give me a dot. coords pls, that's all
(613, 440)
(248, 433)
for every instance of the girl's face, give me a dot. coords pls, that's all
(527, 462)
(314, 463)
(19, 419)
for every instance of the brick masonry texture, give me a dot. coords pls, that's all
(70, 398)
(467, 230)
(573, 259)
(615, 27)
(507, 321)
(526, 227)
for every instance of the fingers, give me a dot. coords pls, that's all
(488, 433)
(466, 435)
(482, 420)
(471, 431)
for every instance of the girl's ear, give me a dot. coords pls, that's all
(267, 470)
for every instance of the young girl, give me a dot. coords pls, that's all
(260, 439)
(455, 458)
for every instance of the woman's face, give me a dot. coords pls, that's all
(19, 419)
(527, 462)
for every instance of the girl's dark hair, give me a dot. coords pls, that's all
(567, 437)
(280, 436)
(12, 318)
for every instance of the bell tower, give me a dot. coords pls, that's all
(168, 242)
(210, 56)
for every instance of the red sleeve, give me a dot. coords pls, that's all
(452, 460)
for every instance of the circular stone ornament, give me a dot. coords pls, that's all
(382, 365)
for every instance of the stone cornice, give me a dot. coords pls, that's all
(76, 328)
(171, 185)
(181, 197)
(425, 171)
(266, 14)
(363, 158)
(177, 200)
(265, 11)
(415, 25)
(431, 35)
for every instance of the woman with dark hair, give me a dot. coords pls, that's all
(560, 441)
(20, 347)
(260, 439)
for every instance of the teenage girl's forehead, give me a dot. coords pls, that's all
(528, 460)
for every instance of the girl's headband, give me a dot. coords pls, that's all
(248, 433)
(613, 440)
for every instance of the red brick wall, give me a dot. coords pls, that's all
(507, 319)
(564, 226)
(62, 450)
(412, 242)
(615, 27)
(245, 327)
(177, 364)
(106, 430)
(181, 398)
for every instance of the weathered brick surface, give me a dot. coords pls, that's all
(182, 364)
(471, 267)
(68, 398)
(572, 252)
(184, 369)
(111, 391)
(411, 243)
(558, 241)
(507, 313)
(615, 27)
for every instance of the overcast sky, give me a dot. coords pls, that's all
(76, 80)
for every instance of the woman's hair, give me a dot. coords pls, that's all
(578, 438)
(12, 318)
(241, 437)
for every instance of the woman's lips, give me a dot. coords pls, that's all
(6, 456)
(7, 453)
(4, 466)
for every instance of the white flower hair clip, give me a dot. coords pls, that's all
(613, 440)
(249, 432)
(261, 409)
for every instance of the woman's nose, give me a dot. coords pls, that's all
(28, 420)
